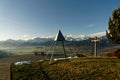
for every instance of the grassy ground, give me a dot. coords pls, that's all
(20, 51)
(87, 68)
(32, 50)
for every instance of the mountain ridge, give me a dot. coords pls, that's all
(47, 41)
(67, 37)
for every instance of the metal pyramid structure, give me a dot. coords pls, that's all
(59, 37)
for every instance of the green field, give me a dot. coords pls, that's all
(70, 50)
(88, 68)
(58, 50)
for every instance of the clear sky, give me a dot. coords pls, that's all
(42, 18)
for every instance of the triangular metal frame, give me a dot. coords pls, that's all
(59, 37)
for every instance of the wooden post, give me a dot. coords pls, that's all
(95, 40)
(95, 49)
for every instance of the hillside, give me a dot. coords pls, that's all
(87, 68)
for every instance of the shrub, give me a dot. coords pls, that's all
(114, 54)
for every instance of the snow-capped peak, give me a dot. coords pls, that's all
(98, 34)
(79, 37)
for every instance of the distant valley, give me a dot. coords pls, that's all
(74, 44)
(10, 43)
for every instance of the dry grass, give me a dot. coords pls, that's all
(88, 68)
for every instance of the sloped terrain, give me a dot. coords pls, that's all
(5, 64)
(88, 68)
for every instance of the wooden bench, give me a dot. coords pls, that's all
(39, 53)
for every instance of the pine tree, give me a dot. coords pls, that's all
(113, 32)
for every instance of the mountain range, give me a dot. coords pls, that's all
(75, 43)
(47, 41)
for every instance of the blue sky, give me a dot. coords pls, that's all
(42, 18)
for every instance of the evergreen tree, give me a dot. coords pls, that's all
(113, 32)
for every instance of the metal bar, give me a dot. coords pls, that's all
(49, 49)
(64, 49)
(54, 46)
